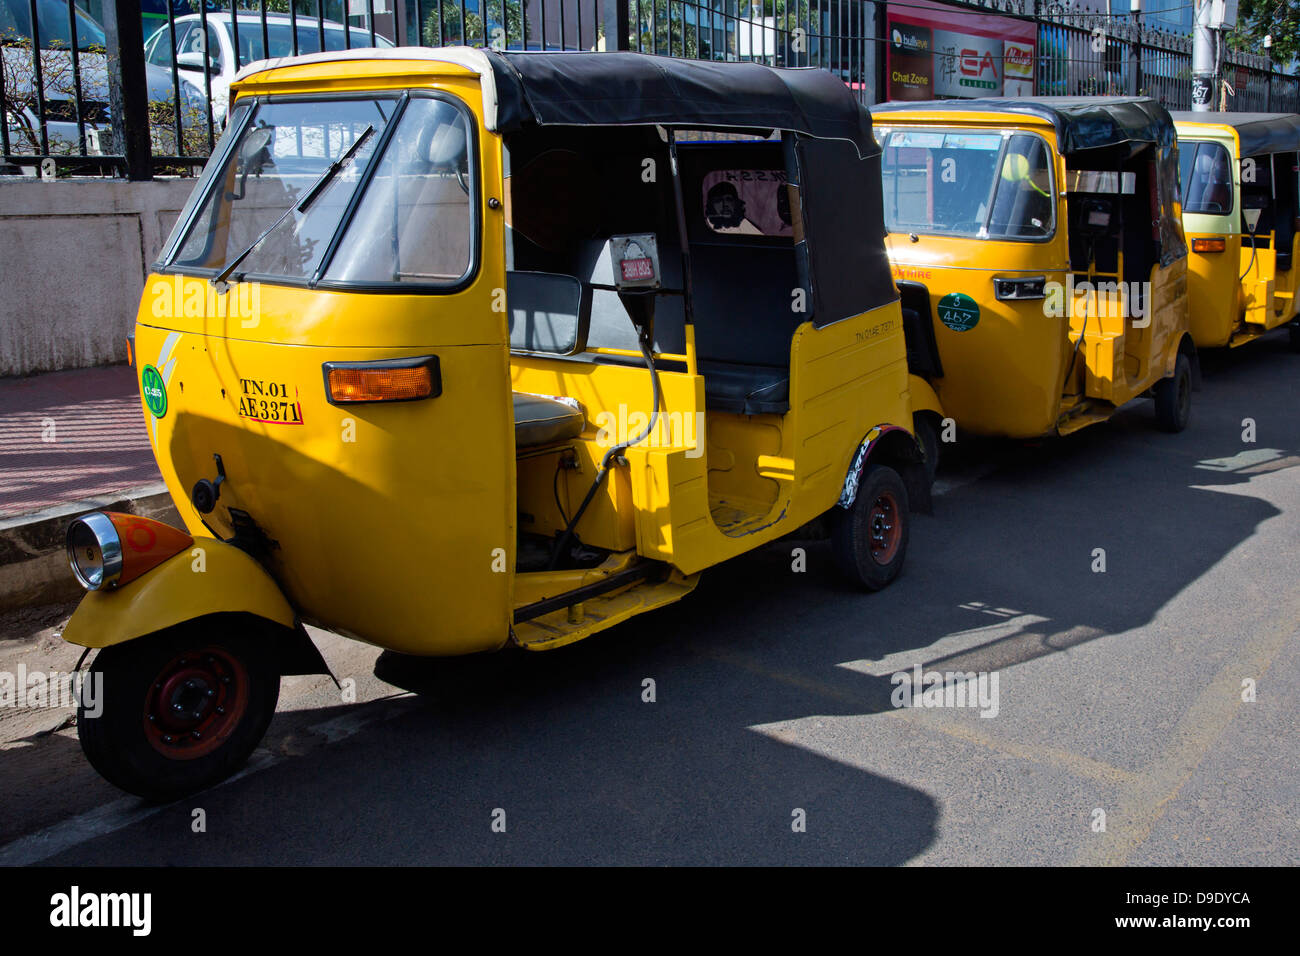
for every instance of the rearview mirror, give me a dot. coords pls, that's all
(256, 140)
(193, 60)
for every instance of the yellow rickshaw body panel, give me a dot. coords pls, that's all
(1010, 375)
(410, 504)
(1233, 297)
(758, 477)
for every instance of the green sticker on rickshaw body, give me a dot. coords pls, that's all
(154, 391)
(959, 312)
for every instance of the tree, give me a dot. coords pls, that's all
(667, 32)
(443, 24)
(21, 106)
(1280, 19)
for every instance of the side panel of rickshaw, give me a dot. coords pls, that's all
(1002, 362)
(349, 499)
(1236, 293)
(711, 482)
(1009, 365)
(778, 471)
(1002, 374)
(1270, 277)
(1214, 301)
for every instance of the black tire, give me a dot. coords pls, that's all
(868, 555)
(927, 436)
(225, 676)
(1174, 397)
(1294, 330)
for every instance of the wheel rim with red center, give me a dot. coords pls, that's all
(195, 703)
(885, 529)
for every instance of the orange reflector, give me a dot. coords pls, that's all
(146, 543)
(1208, 245)
(403, 380)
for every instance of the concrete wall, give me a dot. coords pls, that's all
(73, 259)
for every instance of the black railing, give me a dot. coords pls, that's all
(105, 94)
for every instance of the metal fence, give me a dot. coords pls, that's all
(136, 87)
(1093, 54)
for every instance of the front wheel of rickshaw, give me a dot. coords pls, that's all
(1294, 330)
(1174, 397)
(869, 540)
(178, 711)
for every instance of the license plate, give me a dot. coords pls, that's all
(268, 401)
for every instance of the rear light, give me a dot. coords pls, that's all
(1209, 245)
(396, 380)
(107, 548)
(130, 350)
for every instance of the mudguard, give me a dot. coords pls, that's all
(898, 446)
(211, 577)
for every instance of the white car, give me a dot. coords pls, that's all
(60, 90)
(219, 44)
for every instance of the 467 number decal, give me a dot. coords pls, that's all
(263, 401)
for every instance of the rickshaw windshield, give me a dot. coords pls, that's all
(309, 157)
(972, 184)
(1206, 173)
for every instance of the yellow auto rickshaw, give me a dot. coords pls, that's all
(453, 349)
(1039, 251)
(1241, 212)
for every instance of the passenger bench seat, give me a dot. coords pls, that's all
(745, 389)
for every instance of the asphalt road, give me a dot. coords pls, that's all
(1118, 691)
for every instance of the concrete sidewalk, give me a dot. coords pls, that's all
(70, 442)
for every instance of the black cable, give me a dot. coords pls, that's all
(1092, 250)
(608, 460)
(555, 490)
(1253, 247)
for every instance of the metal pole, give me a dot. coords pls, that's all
(41, 112)
(1204, 80)
(1268, 77)
(127, 97)
(76, 78)
(1135, 50)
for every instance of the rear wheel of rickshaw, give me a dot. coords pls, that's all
(1174, 397)
(181, 709)
(869, 540)
(1294, 330)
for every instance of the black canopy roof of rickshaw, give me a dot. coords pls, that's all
(630, 89)
(1081, 122)
(832, 154)
(1086, 123)
(1258, 133)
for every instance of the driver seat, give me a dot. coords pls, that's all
(542, 420)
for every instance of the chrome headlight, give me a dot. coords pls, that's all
(95, 551)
